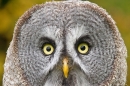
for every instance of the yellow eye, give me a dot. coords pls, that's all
(83, 48)
(48, 49)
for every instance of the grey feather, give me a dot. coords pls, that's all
(65, 23)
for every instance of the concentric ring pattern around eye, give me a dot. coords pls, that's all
(48, 49)
(83, 48)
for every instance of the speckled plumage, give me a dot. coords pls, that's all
(64, 24)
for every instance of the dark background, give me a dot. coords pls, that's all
(11, 10)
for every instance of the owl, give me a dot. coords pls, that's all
(66, 43)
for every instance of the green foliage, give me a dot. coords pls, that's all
(11, 10)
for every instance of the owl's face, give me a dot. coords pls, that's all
(67, 44)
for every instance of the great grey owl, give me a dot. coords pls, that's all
(66, 43)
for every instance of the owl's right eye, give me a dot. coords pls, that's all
(48, 49)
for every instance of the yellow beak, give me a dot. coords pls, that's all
(65, 67)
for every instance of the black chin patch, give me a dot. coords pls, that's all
(68, 81)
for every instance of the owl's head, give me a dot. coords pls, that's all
(66, 44)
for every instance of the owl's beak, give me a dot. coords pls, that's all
(65, 67)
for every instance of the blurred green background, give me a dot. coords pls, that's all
(11, 10)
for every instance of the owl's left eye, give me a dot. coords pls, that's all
(83, 48)
(48, 49)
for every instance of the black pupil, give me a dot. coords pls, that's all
(48, 49)
(82, 48)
